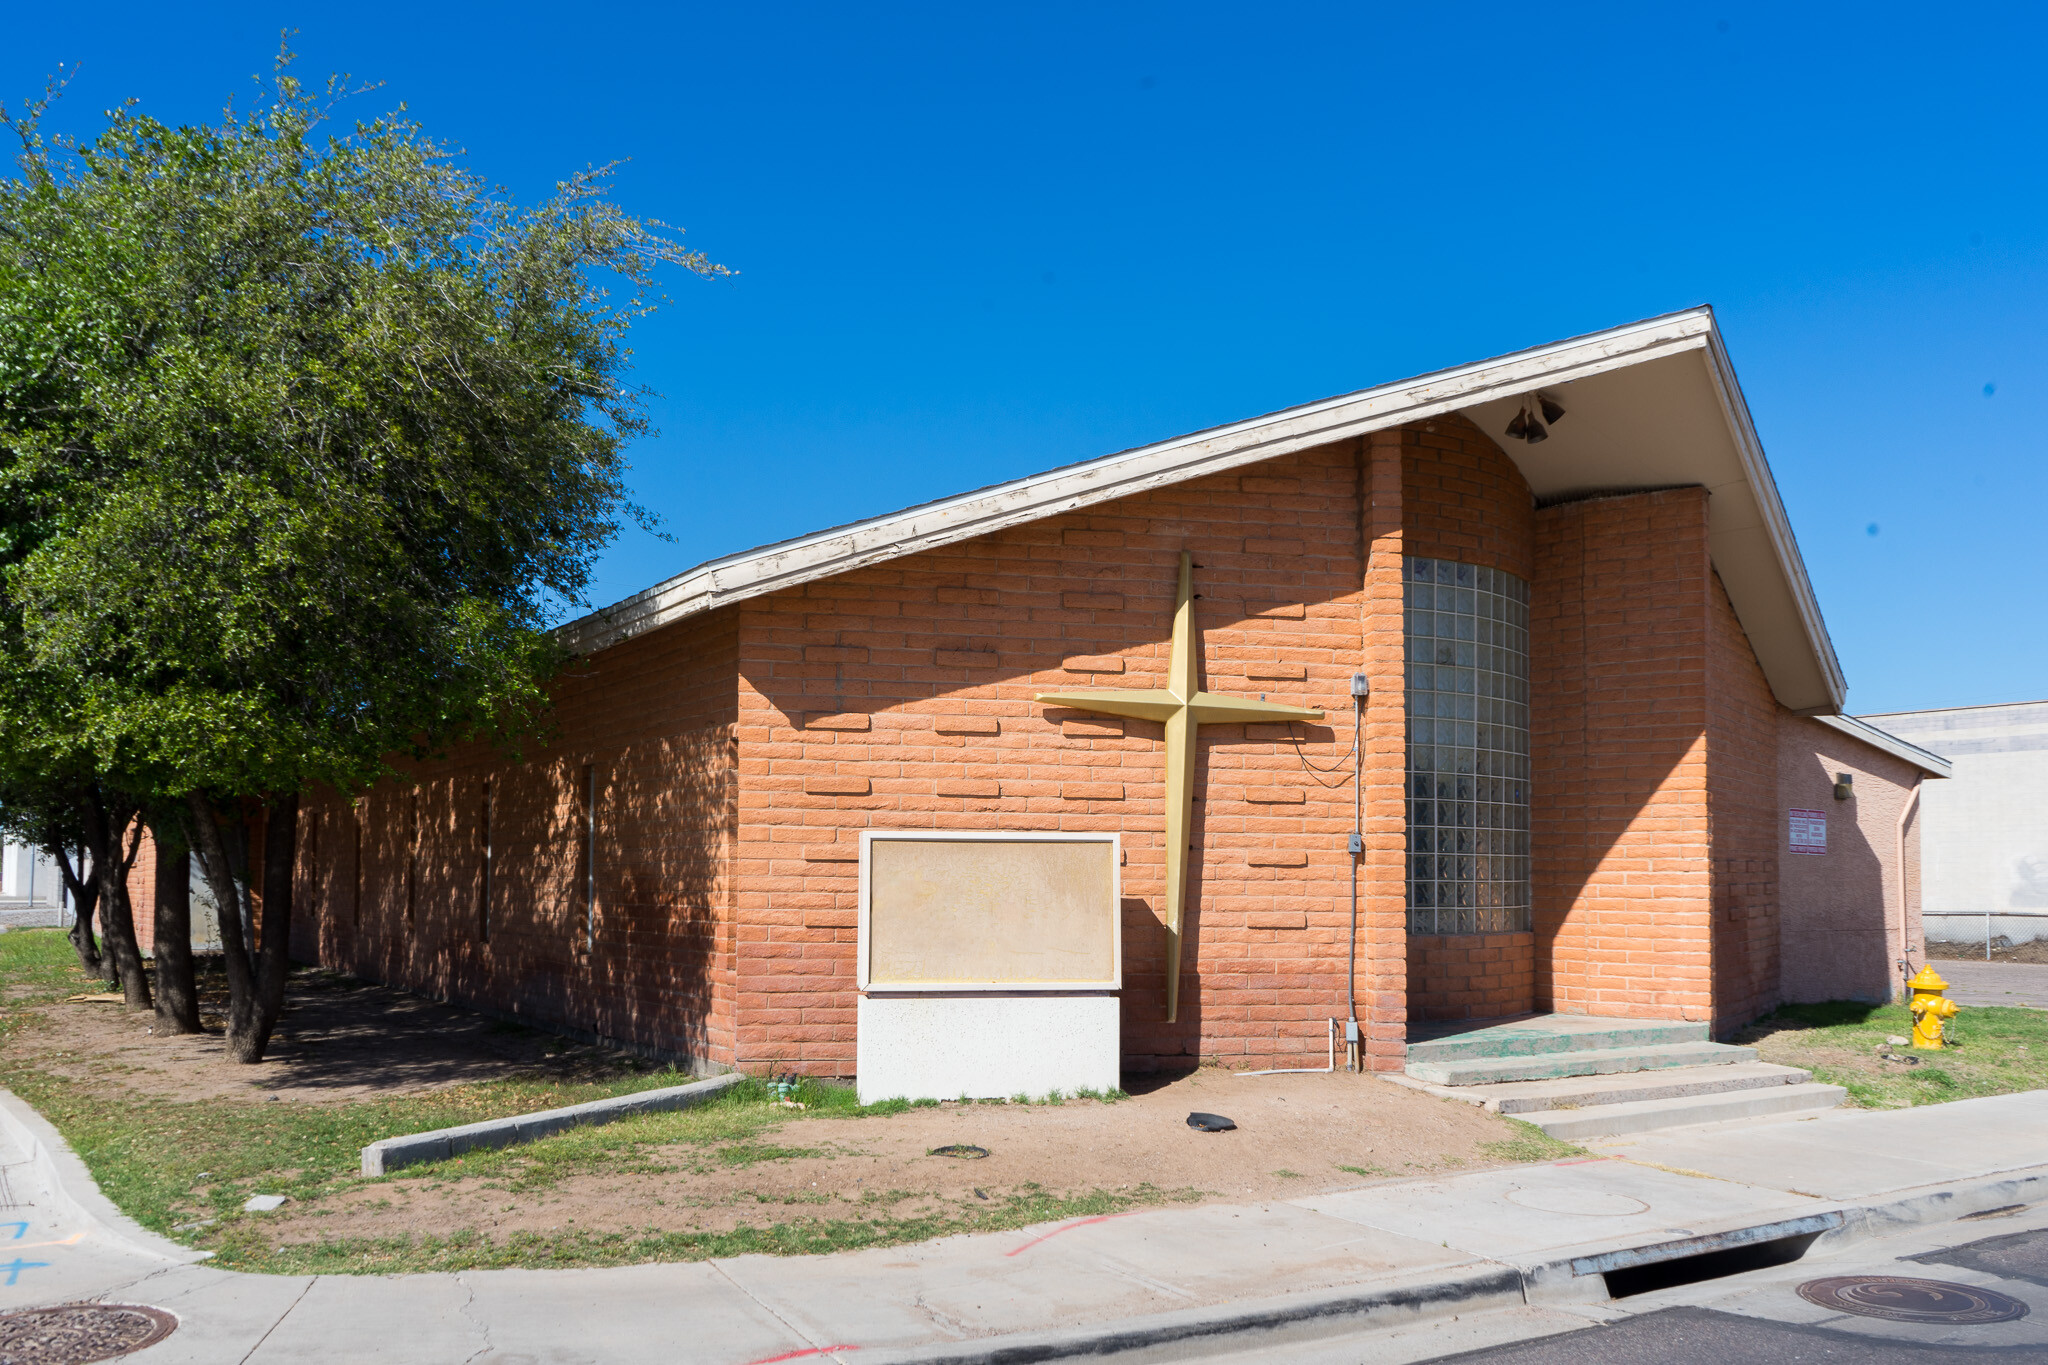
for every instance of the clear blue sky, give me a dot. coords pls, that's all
(981, 240)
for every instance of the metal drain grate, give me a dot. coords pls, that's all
(75, 1333)
(1900, 1298)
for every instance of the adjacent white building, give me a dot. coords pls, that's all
(31, 887)
(1984, 833)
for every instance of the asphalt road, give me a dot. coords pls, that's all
(2015, 1264)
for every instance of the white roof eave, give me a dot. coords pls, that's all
(1928, 762)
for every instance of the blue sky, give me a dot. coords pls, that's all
(977, 241)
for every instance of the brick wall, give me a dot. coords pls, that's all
(1618, 718)
(1840, 936)
(1463, 499)
(1471, 976)
(392, 886)
(900, 696)
(736, 757)
(1383, 796)
(1742, 791)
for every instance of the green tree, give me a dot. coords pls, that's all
(320, 433)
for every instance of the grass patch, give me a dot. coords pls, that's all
(1996, 1051)
(1529, 1143)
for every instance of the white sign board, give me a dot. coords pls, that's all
(1809, 829)
(988, 964)
(993, 911)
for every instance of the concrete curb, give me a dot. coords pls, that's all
(1414, 1300)
(71, 1186)
(391, 1154)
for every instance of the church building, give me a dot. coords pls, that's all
(1497, 691)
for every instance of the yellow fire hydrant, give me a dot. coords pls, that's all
(1929, 1008)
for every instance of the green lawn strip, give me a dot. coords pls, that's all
(1998, 1051)
(244, 1246)
(38, 966)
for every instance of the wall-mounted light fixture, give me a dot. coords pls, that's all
(1528, 426)
(1845, 786)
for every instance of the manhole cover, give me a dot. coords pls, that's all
(74, 1333)
(1586, 1203)
(1900, 1298)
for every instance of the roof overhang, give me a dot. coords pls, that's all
(1928, 762)
(1654, 404)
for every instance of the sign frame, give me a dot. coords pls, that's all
(864, 944)
(1801, 824)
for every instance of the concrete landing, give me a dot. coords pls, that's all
(1596, 1062)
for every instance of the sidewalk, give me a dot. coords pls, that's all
(1170, 1283)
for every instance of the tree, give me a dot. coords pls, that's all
(322, 434)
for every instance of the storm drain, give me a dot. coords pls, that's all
(1901, 1298)
(1626, 1281)
(75, 1333)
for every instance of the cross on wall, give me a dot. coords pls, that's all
(1184, 708)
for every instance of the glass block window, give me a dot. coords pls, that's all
(1468, 749)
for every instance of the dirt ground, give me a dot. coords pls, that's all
(342, 1041)
(339, 1039)
(2033, 950)
(1295, 1136)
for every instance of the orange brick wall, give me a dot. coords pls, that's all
(1619, 646)
(393, 888)
(1471, 976)
(1383, 796)
(1464, 500)
(1742, 812)
(900, 696)
(738, 755)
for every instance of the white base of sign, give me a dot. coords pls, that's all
(941, 1047)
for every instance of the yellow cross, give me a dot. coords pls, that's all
(1183, 708)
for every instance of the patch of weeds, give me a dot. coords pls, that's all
(243, 1247)
(1285, 1174)
(1369, 1172)
(1528, 1143)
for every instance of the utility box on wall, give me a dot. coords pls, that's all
(989, 964)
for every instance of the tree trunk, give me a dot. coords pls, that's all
(85, 896)
(177, 993)
(117, 912)
(274, 959)
(229, 882)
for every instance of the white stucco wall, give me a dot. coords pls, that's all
(1984, 832)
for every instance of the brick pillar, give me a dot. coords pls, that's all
(1383, 930)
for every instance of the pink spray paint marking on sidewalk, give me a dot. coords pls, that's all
(1069, 1227)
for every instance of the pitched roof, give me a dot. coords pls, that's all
(1653, 404)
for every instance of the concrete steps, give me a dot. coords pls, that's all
(1629, 1087)
(1579, 1077)
(1578, 1062)
(1643, 1116)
